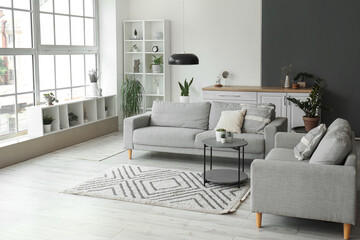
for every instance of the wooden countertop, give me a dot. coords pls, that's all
(256, 89)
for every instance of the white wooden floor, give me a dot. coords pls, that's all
(32, 207)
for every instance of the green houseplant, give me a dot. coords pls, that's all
(72, 119)
(185, 91)
(47, 121)
(131, 97)
(156, 65)
(312, 104)
(302, 76)
(219, 132)
(50, 98)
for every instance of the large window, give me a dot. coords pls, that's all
(46, 46)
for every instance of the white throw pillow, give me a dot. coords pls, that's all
(309, 142)
(232, 121)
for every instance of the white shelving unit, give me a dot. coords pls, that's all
(145, 41)
(89, 110)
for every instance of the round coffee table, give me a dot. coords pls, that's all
(224, 176)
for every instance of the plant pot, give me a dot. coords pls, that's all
(218, 135)
(302, 84)
(157, 68)
(106, 113)
(48, 101)
(93, 89)
(47, 128)
(184, 99)
(310, 123)
(217, 85)
(223, 140)
(229, 136)
(72, 123)
(295, 86)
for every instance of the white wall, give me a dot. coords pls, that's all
(224, 34)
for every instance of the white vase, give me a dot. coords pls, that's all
(287, 82)
(184, 99)
(157, 68)
(218, 135)
(158, 90)
(93, 89)
(47, 128)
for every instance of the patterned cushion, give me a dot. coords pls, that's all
(257, 117)
(232, 121)
(335, 145)
(309, 142)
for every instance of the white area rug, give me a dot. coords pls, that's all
(97, 149)
(163, 187)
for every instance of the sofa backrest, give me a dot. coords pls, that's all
(218, 107)
(351, 159)
(185, 115)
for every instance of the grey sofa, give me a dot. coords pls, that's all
(283, 185)
(179, 128)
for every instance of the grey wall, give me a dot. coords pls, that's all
(320, 37)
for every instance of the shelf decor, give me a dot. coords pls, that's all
(151, 47)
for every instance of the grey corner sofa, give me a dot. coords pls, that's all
(283, 185)
(180, 128)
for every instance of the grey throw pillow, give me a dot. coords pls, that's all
(309, 142)
(335, 145)
(257, 117)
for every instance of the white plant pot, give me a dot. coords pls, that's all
(47, 128)
(184, 99)
(94, 89)
(223, 140)
(218, 135)
(157, 68)
(287, 82)
(72, 123)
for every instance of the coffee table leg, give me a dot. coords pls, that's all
(243, 159)
(210, 158)
(239, 162)
(204, 164)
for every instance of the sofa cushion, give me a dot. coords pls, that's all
(256, 142)
(335, 145)
(166, 136)
(257, 117)
(182, 115)
(282, 154)
(217, 108)
(309, 142)
(232, 121)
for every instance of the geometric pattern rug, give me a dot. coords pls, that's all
(163, 187)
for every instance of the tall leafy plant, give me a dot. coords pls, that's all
(131, 97)
(315, 100)
(185, 88)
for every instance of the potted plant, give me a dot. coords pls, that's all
(156, 66)
(218, 133)
(185, 90)
(223, 138)
(94, 77)
(106, 111)
(50, 98)
(286, 70)
(312, 104)
(72, 119)
(302, 76)
(229, 136)
(131, 97)
(47, 121)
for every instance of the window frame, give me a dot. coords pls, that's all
(39, 49)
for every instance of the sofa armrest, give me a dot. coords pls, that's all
(277, 125)
(320, 192)
(132, 123)
(287, 140)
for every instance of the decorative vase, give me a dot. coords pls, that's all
(157, 68)
(157, 90)
(184, 99)
(94, 89)
(47, 128)
(311, 123)
(218, 135)
(223, 140)
(287, 82)
(229, 136)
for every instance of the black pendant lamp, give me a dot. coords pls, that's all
(183, 58)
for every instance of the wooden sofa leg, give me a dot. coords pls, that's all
(347, 228)
(258, 219)
(130, 153)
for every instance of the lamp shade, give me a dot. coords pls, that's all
(183, 59)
